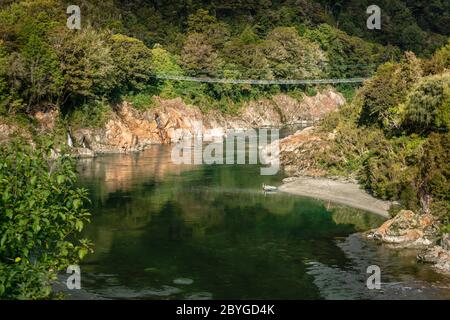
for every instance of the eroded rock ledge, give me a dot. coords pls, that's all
(172, 120)
(409, 229)
(128, 129)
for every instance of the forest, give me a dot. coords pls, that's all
(392, 135)
(124, 45)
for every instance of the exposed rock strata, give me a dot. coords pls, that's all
(438, 255)
(173, 120)
(409, 229)
(297, 152)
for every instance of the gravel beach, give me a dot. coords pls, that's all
(346, 193)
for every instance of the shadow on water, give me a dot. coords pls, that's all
(164, 231)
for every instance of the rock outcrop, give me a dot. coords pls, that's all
(408, 229)
(128, 129)
(283, 109)
(46, 119)
(172, 120)
(438, 255)
(298, 152)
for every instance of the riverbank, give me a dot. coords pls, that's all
(346, 193)
(125, 128)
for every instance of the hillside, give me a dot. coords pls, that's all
(124, 45)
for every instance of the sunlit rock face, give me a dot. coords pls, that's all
(7, 131)
(438, 255)
(297, 152)
(408, 229)
(416, 230)
(172, 120)
(47, 119)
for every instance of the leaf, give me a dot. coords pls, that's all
(18, 259)
(9, 213)
(2, 241)
(36, 226)
(77, 203)
(79, 225)
(82, 252)
(60, 179)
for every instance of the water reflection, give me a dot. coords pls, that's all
(165, 231)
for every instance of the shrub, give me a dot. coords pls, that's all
(383, 93)
(93, 114)
(132, 61)
(428, 105)
(41, 214)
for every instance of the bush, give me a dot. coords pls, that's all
(90, 115)
(428, 105)
(40, 211)
(132, 61)
(382, 95)
(86, 64)
(141, 101)
(440, 62)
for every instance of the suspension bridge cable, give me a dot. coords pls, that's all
(260, 82)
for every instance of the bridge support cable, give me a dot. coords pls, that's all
(260, 82)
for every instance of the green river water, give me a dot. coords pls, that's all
(166, 231)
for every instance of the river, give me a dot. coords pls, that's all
(166, 231)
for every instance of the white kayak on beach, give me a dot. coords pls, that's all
(269, 188)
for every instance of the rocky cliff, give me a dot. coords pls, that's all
(298, 152)
(172, 120)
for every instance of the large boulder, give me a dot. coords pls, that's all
(408, 229)
(438, 255)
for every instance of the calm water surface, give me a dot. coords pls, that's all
(165, 231)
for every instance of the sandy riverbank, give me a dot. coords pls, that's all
(346, 193)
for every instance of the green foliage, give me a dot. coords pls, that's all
(247, 59)
(40, 211)
(440, 61)
(33, 72)
(85, 62)
(4, 94)
(111, 56)
(142, 100)
(382, 95)
(293, 57)
(133, 62)
(428, 105)
(348, 56)
(164, 63)
(434, 174)
(401, 152)
(198, 56)
(200, 22)
(409, 25)
(93, 114)
(37, 71)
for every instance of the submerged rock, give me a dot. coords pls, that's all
(82, 153)
(438, 255)
(183, 281)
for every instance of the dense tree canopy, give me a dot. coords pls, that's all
(112, 54)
